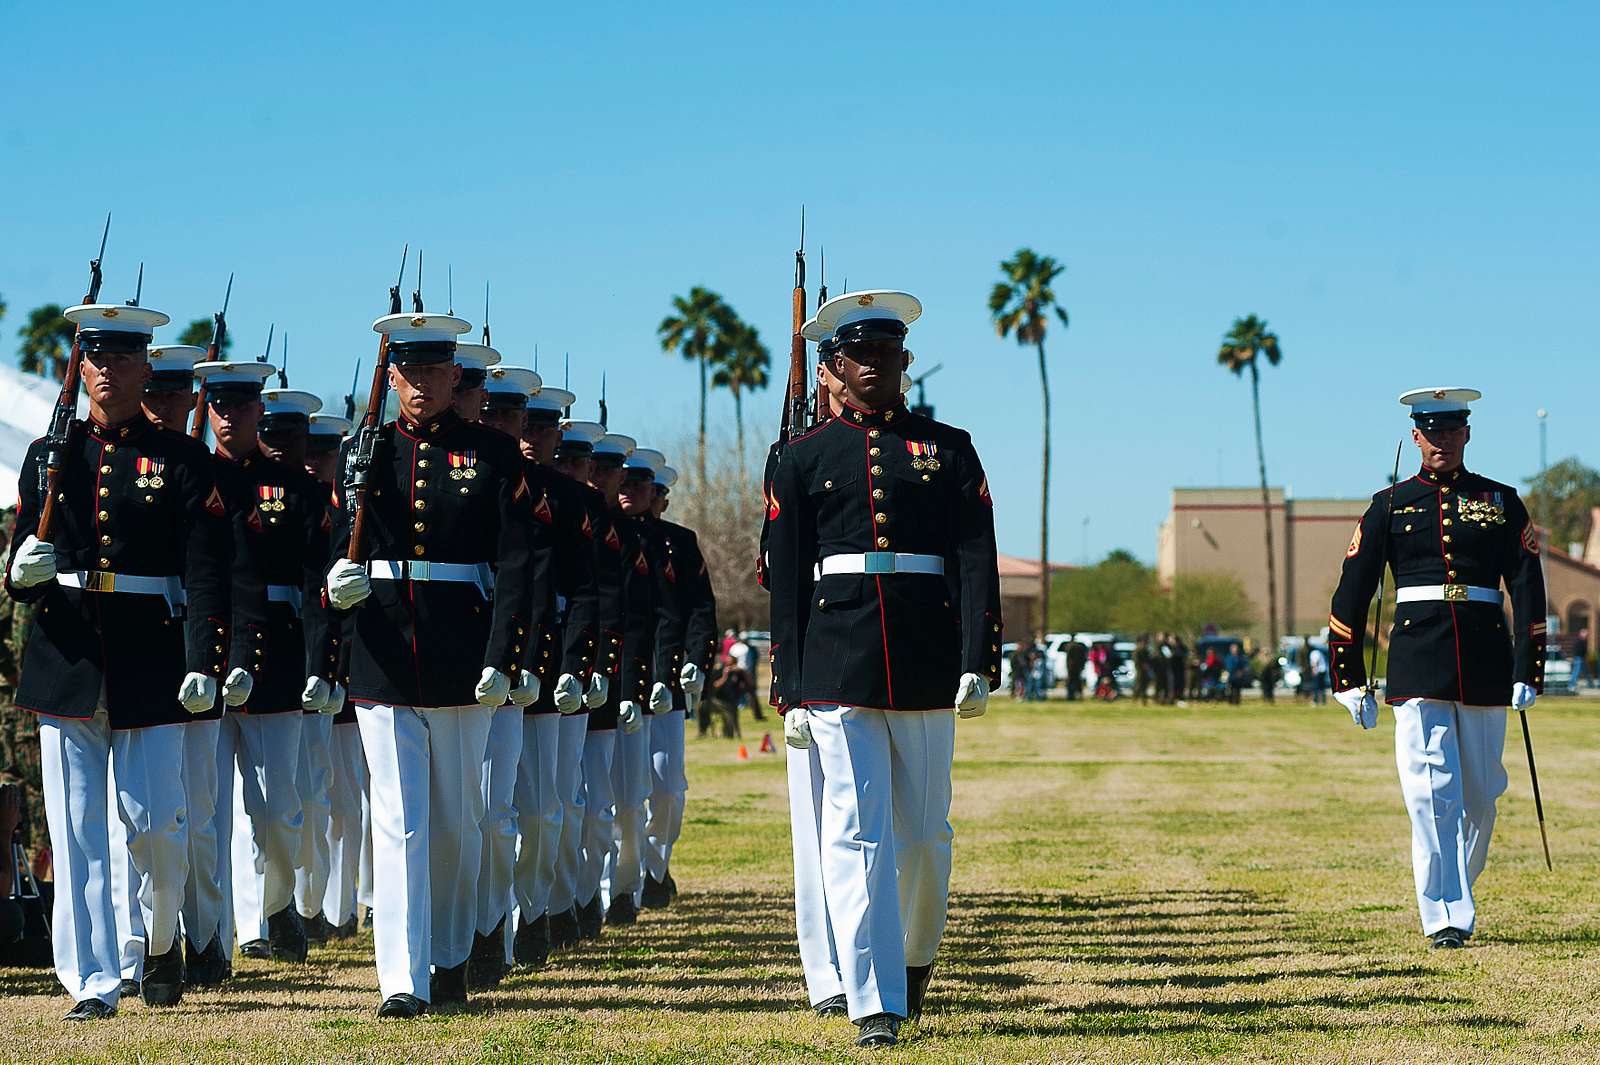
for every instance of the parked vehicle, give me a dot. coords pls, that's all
(1560, 673)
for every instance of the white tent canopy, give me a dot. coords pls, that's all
(26, 402)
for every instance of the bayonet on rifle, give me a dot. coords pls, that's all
(214, 352)
(364, 455)
(138, 288)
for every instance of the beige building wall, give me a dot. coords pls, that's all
(1220, 530)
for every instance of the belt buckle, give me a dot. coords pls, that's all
(99, 580)
(418, 571)
(878, 562)
(1455, 593)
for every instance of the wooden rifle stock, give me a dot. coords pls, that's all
(56, 442)
(366, 449)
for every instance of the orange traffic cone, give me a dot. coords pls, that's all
(766, 744)
(744, 753)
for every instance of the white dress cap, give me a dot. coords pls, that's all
(549, 398)
(476, 356)
(666, 476)
(1440, 400)
(855, 307)
(419, 328)
(175, 358)
(615, 444)
(116, 318)
(290, 401)
(582, 432)
(329, 425)
(645, 458)
(247, 372)
(511, 379)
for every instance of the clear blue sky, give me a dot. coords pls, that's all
(1407, 196)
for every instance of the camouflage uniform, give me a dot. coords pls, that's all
(19, 730)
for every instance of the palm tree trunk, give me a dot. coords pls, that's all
(1044, 501)
(1266, 512)
(700, 461)
(738, 422)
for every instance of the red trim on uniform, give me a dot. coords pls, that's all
(883, 623)
(810, 432)
(99, 607)
(411, 586)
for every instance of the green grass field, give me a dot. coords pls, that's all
(1130, 885)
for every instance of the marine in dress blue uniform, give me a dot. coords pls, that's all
(1452, 538)
(885, 618)
(129, 639)
(439, 627)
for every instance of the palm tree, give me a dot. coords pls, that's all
(1245, 344)
(1022, 305)
(46, 342)
(742, 365)
(696, 330)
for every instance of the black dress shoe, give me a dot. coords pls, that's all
(130, 989)
(590, 919)
(564, 930)
(917, 977)
(90, 1009)
(259, 949)
(286, 931)
(532, 945)
(1449, 939)
(836, 1006)
(449, 988)
(366, 919)
(672, 885)
(347, 930)
(487, 965)
(206, 968)
(656, 895)
(402, 1007)
(879, 1030)
(163, 976)
(318, 930)
(622, 911)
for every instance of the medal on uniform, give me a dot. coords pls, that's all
(924, 454)
(462, 465)
(149, 472)
(271, 497)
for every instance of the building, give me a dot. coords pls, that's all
(1019, 596)
(1219, 530)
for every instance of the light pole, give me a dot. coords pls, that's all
(1543, 457)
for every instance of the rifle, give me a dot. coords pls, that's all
(365, 455)
(350, 396)
(604, 421)
(56, 440)
(814, 407)
(138, 288)
(794, 408)
(283, 370)
(214, 352)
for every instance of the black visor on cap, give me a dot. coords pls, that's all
(827, 347)
(870, 329)
(170, 381)
(283, 422)
(233, 392)
(609, 460)
(471, 377)
(574, 449)
(1444, 419)
(421, 352)
(502, 400)
(543, 416)
(320, 442)
(638, 473)
(113, 341)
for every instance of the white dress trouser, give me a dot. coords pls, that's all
(313, 781)
(238, 862)
(264, 750)
(572, 737)
(75, 755)
(630, 783)
(819, 960)
(425, 770)
(202, 892)
(345, 793)
(539, 812)
(501, 759)
(885, 844)
(1449, 756)
(124, 887)
(599, 750)
(668, 785)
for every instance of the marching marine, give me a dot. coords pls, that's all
(881, 523)
(1451, 538)
(129, 639)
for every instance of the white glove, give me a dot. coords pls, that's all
(335, 701)
(1522, 696)
(1361, 704)
(348, 584)
(972, 697)
(526, 692)
(320, 697)
(630, 718)
(568, 694)
(493, 688)
(599, 690)
(660, 698)
(35, 563)
(197, 693)
(236, 689)
(796, 728)
(694, 681)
